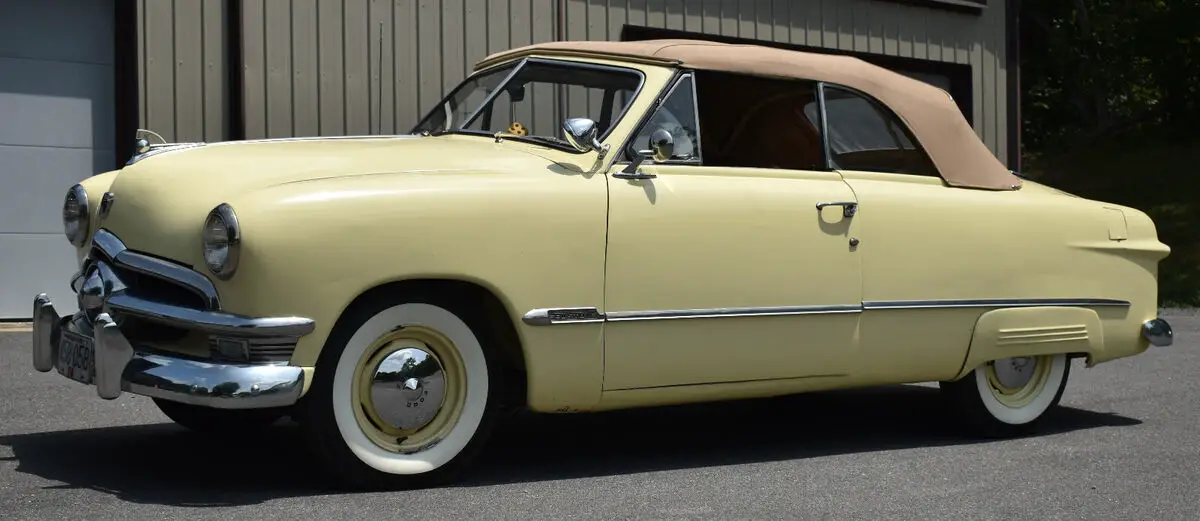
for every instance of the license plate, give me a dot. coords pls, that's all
(76, 357)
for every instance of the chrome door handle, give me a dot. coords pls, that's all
(849, 208)
(633, 175)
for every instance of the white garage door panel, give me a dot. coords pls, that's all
(62, 30)
(57, 114)
(47, 172)
(62, 104)
(32, 264)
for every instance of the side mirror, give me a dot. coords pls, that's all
(662, 148)
(662, 145)
(582, 134)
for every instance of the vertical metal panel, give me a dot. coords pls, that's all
(277, 22)
(140, 65)
(356, 32)
(213, 37)
(331, 86)
(305, 74)
(781, 16)
(189, 71)
(160, 73)
(383, 76)
(408, 106)
(182, 69)
(254, 80)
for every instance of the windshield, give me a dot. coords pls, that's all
(531, 100)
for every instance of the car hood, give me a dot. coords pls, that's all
(160, 202)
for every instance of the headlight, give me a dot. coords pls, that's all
(222, 240)
(75, 215)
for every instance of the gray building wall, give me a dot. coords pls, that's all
(341, 67)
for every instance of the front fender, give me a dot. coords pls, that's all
(535, 239)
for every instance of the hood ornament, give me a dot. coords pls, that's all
(148, 143)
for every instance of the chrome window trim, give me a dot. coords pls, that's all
(587, 315)
(520, 64)
(115, 250)
(627, 146)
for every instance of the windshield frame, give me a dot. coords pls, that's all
(616, 120)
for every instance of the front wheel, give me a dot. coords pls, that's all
(404, 394)
(1010, 396)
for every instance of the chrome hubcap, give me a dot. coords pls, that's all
(408, 388)
(1014, 373)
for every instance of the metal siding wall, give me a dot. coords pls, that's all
(182, 70)
(339, 67)
(347, 67)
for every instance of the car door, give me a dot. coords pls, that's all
(922, 276)
(725, 273)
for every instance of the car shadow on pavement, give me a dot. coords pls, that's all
(544, 447)
(165, 464)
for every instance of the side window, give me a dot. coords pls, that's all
(863, 135)
(676, 115)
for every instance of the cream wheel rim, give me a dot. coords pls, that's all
(1015, 382)
(409, 389)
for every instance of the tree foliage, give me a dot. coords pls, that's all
(1111, 111)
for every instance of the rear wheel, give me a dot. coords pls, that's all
(218, 421)
(404, 394)
(1010, 396)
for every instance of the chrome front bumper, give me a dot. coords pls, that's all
(1158, 332)
(118, 367)
(248, 369)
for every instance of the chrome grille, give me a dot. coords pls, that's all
(252, 350)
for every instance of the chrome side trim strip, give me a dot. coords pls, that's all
(154, 267)
(991, 303)
(583, 315)
(629, 316)
(551, 316)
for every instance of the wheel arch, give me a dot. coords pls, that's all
(483, 302)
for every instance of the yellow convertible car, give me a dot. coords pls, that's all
(584, 226)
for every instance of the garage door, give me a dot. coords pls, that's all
(56, 128)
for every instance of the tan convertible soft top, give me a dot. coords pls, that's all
(960, 157)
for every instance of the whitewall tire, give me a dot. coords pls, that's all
(404, 394)
(1010, 396)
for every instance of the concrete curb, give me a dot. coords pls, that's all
(16, 327)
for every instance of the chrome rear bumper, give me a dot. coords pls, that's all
(118, 367)
(1158, 332)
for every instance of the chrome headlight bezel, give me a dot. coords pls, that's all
(221, 229)
(77, 225)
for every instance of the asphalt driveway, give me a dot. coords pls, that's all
(1126, 445)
